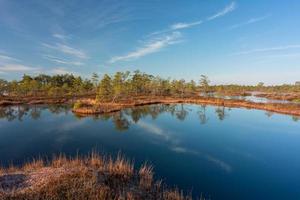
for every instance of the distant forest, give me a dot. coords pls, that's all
(124, 84)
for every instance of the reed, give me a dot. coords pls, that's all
(91, 177)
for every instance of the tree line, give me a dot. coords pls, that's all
(45, 85)
(124, 85)
(260, 87)
(108, 88)
(127, 85)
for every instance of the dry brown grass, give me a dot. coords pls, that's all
(146, 176)
(93, 177)
(1, 171)
(120, 167)
(291, 96)
(108, 107)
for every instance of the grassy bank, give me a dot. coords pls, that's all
(89, 107)
(292, 97)
(34, 100)
(93, 177)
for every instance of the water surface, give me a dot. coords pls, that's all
(250, 98)
(220, 152)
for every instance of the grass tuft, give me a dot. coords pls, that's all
(93, 177)
(146, 176)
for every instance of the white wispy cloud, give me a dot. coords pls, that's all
(185, 25)
(223, 165)
(150, 47)
(180, 149)
(177, 26)
(151, 128)
(60, 36)
(103, 14)
(174, 145)
(61, 61)
(250, 21)
(60, 70)
(157, 44)
(181, 25)
(16, 68)
(286, 55)
(67, 50)
(231, 7)
(6, 58)
(260, 50)
(11, 64)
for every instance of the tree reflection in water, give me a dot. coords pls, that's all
(269, 114)
(221, 113)
(11, 113)
(202, 114)
(121, 119)
(181, 113)
(295, 118)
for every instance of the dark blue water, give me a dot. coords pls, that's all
(220, 152)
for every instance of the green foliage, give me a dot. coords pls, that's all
(3, 86)
(204, 83)
(117, 85)
(105, 90)
(240, 89)
(77, 105)
(44, 85)
(296, 100)
(124, 85)
(95, 79)
(260, 85)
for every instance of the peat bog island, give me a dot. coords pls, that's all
(149, 100)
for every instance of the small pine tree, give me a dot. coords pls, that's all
(105, 91)
(117, 85)
(95, 79)
(204, 83)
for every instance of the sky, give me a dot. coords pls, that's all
(238, 42)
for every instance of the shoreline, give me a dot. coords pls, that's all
(90, 177)
(10, 101)
(91, 108)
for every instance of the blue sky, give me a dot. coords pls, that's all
(230, 41)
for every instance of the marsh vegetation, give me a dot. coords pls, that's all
(93, 177)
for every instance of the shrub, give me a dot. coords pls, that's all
(77, 105)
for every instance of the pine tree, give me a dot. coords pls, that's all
(105, 91)
(204, 83)
(95, 79)
(117, 85)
